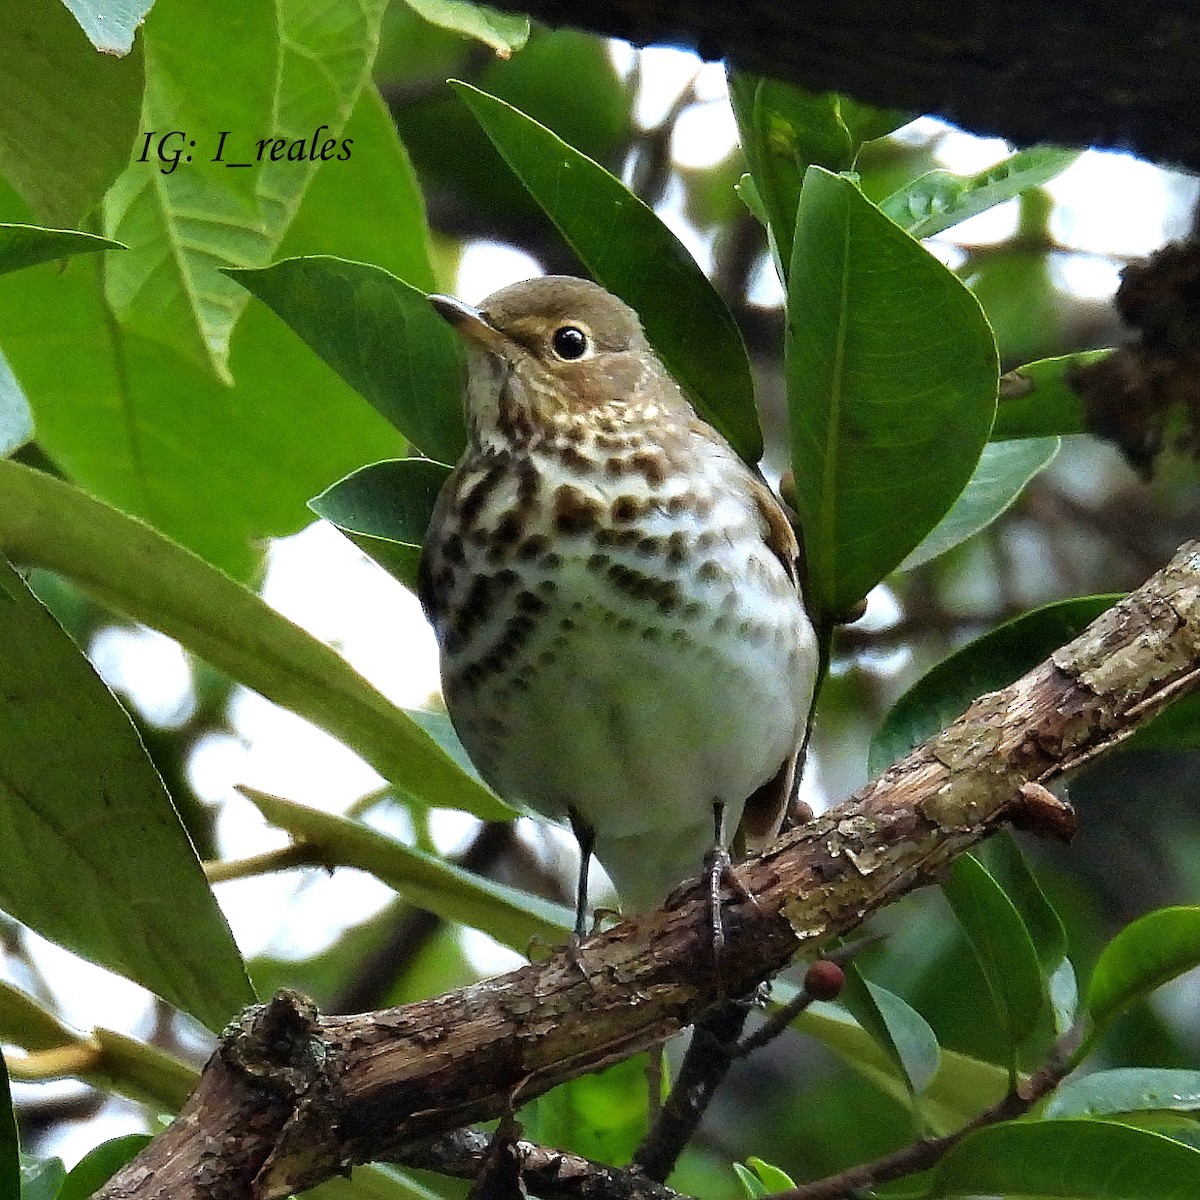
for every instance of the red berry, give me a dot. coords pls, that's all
(824, 980)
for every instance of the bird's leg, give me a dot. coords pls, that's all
(721, 871)
(585, 835)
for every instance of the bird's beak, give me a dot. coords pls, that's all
(470, 324)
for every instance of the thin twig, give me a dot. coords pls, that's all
(704, 1067)
(920, 1156)
(295, 854)
(783, 1017)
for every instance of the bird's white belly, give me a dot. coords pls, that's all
(642, 730)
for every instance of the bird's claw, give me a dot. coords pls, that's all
(722, 871)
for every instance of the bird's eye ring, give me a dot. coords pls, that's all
(570, 342)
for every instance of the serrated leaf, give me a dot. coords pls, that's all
(987, 664)
(100, 1164)
(891, 375)
(512, 917)
(937, 200)
(289, 75)
(96, 829)
(381, 336)
(137, 571)
(1141, 958)
(999, 478)
(504, 32)
(1001, 944)
(384, 509)
(28, 245)
(1037, 400)
(67, 114)
(1126, 1090)
(1068, 1159)
(110, 24)
(633, 254)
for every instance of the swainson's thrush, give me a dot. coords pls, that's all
(615, 595)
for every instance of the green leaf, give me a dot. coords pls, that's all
(1177, 728)
(137, 571)
(602, 1116)
(915, 1041)
(760, 1178)
(110, 24)
(16, 421)
(939, 199)
(219, 469)
(503, 32)
(140, 1071)
(633, 254)
(1126, 1090)
(752, 1186)
(375, 1181)
(1037, 400)
(381, 336)
(41, 1178)
(900, 1031)
(384, 509)
(987, 664)
(747, 191)
(10, 1147)
(1062, 987)
(67, 114)
(77, 784)
(962, 1087)
(25, 1023)
(1001, 944)
(28, 245)
(1142, 957)
(891, 374)
(1070, 1159)
(288, 74)
(1000, 477)
(1009, 867)
(512, 917)
(100, 1164)
(784, 130)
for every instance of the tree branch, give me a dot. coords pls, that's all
(290, 1098)
(1075, 73)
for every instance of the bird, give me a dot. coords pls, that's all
(616, 596)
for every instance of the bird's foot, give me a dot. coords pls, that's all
(574, 947)
(721, 871)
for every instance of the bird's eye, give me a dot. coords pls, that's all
(570, 342)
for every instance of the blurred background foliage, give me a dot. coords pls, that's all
(1088, 524)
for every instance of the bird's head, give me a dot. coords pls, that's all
(554, 352)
